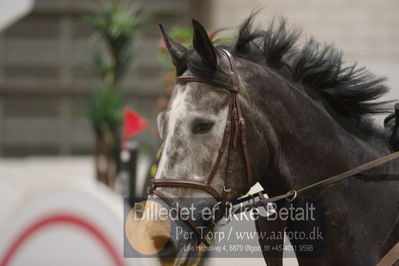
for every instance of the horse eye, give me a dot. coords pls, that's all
(202, 127)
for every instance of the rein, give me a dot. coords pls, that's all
(235, 127)
(293, 194)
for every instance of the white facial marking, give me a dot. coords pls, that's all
(177, 109)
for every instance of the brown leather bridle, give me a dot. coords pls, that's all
(235, 127)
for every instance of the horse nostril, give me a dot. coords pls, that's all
(161, 242)
(167, 250)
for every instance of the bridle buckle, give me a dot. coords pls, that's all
(293, 194)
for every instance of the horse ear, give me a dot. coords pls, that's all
(175, 49)
(203, 45)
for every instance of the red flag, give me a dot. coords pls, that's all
(132, 124)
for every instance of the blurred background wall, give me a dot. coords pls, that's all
(366, 30)
(45, 76)
(45, 57)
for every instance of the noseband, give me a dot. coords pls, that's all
(235, 127)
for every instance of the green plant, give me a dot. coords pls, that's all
(105, 110)
(117, 23)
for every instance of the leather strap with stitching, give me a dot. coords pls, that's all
(154, 183)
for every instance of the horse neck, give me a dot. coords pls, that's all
(311, 144)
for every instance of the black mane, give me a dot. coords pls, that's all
(348, 90)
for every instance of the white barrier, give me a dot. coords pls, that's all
(66, 224)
